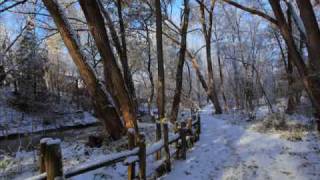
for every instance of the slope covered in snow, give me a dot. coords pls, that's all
(54, 116)
(227, 151)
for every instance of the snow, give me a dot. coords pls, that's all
(75, 154)
(13, 121)
(21, 124)
(45, 140)
(154, 147)
(53, 141)
(104, 160)
(131, 131)
(130, 160)
(228, 151)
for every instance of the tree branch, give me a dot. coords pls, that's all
(252, 11)
(12, 6)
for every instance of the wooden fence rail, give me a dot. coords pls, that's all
(186, 133)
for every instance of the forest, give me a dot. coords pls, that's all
(159, 89)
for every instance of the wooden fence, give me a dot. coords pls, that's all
(185, 134)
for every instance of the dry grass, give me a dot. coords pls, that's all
(282, 124)
(293, 135)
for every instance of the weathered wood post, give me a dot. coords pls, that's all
(43, 145)
(196, 134)
(142, 157)
(193, 116)
(198, 127)
(190, 133)
(177, 145)
(183, 140)
(158, 138)
(131, 145)
(166, 146)
(53, 160)
(153, 119)
(199, 122)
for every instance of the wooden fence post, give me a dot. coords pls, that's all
(43, 145)
(166, 146)
(158, 138)
(131, 145)
(142, 157)
(183, 140)
(196, 134)
(53, 160)
(190, 133)
(199, 122)
(193, 117)
(177, 145)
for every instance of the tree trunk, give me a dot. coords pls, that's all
(195, 65)
(105, 112)
(121, 50)
(212, 88)
(291, 103)
(2, 74)
(311, 82)
(207, 32)
(222, 82)
(150, 99)
(161, 78)
(313, 39)
(182, 55)
(291, 95)
(289, 70)
(113, 76)
(313, 34)
(124, 57)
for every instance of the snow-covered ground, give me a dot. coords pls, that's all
(24, 164)
(13, 121)
(228, 151)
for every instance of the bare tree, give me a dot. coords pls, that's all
(115, 82)
(307, 72)
(207, 33)
(182, 56)
(161, 77)
(102, 105)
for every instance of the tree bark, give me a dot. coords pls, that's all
(291, 103)
(150, 99)
(105, 112)
(113, 76)
(291, 100)
(182, 56)
(161, 77)
(222, 81)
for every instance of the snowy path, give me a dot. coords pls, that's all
(231, 152)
